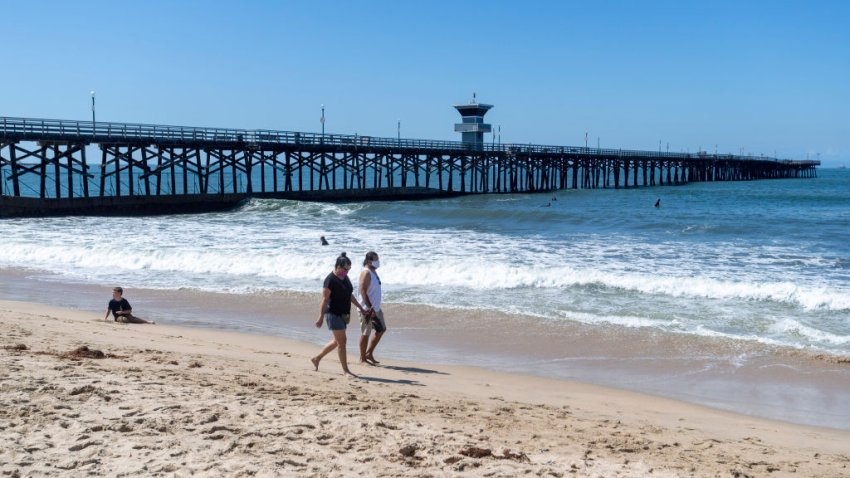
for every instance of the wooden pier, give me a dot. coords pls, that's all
(150, 169)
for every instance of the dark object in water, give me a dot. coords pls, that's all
(324, 241)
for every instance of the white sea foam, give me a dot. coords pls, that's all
(785, 327)
(419, 260)
(450, 254)
(621, 320)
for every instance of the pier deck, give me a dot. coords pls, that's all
(168, 169)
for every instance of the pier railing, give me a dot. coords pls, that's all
(44, 167)
(34, 129)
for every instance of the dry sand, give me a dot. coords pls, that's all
(169, 401)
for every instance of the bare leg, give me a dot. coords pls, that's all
(364, 340)
(372, 346)
(339, 337)
(325, 350)
(137, 320)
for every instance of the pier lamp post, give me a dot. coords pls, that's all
(322, 120)
(92, 113)
(398, 129)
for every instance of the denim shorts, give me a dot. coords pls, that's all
(335, 321)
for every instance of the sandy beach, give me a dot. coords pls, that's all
(176, 401)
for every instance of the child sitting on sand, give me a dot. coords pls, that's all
(121, 309)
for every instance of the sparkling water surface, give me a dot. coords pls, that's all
(766, 260)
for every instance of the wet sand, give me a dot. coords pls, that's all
(740, 376)
(167, 400)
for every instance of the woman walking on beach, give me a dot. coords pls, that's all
(337, 297)
(370, 296)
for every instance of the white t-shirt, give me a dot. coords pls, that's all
(373, 292)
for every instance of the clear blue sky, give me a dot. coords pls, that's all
(764, 76)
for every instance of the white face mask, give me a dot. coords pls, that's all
(376, 263)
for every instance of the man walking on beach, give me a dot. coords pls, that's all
(370, 297)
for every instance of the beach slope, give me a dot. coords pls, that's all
(163, 401)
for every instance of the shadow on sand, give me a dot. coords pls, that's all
(413, 369)
(387, 380)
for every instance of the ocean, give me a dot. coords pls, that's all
(762, 262)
